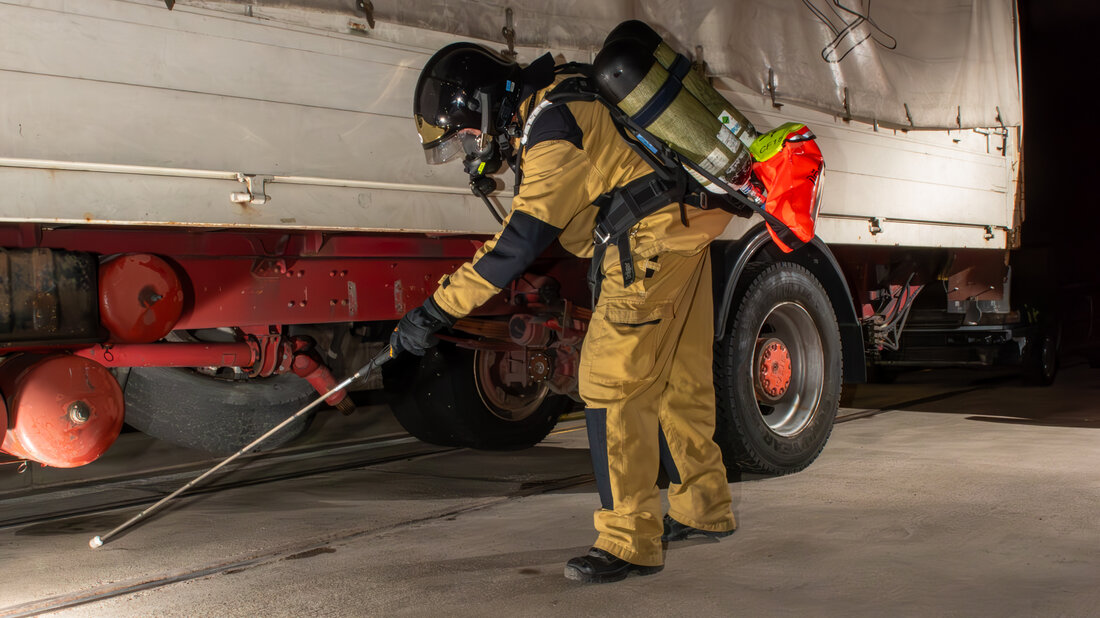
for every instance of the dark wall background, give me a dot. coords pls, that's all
(1058, 264)
(1059, 45)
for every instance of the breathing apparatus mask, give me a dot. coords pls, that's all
(464, 99)
(465, 105)
(477, 146)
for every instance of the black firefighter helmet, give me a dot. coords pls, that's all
(464, 86)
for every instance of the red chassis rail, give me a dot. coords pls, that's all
(260, 278)
(259, 282)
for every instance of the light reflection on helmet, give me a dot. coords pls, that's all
(449, 101)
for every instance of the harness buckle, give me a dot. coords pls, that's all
(598, 237)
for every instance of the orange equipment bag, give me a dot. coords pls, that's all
(789, 165)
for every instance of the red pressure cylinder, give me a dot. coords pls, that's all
(64, 411)
(140, 298)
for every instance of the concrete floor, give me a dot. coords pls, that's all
(978, 498)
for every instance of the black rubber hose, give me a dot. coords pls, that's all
(482, 186)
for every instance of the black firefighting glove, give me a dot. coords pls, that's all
(415, 332)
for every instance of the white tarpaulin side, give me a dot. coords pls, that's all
(952, 63)
(938, 64)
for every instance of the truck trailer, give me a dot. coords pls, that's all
(212, 210)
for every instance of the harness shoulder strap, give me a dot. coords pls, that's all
(622, 208)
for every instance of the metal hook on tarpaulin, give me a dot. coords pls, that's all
(368, 11)
(772, 87)
(699, 65)
(1003, 132)
(509, 34)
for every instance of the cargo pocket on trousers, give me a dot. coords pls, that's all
(621, 345)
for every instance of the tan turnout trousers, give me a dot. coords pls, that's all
(646, 377)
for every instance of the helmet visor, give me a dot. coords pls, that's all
(456, 144)
(445, 149)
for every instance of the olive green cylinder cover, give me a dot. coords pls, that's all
(648, 80)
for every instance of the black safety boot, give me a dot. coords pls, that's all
(675, 531)
(600, 567)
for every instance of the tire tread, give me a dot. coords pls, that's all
(731, 426)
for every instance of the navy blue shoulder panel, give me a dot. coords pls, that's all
(556, 122)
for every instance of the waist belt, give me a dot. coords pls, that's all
(620, 210)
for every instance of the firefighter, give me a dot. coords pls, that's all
(645, 371)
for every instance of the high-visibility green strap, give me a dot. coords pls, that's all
(767, 145)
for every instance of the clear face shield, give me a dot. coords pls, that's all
(439, 147)
(464, 143)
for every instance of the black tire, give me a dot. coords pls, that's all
(779, 302)
(218, 416)
(1040, 362)
(436, 398)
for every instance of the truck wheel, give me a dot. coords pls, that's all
(211, 414)
(777, 371)
(1041, 358)
(457, 397)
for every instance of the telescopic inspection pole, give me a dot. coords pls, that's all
(363, 372)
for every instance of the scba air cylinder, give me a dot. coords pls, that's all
(637, 71)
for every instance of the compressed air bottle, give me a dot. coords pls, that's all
(637, 71)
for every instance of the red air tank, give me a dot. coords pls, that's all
(140, 298)
(63, 411)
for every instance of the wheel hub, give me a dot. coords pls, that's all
(539, 367)
(773, 369)
(502, 387)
